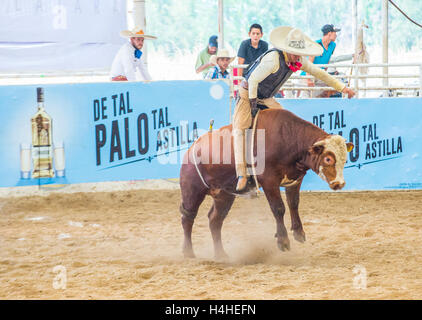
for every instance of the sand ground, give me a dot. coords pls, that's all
(127, 245)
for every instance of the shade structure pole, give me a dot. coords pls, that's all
(221, 23)
(385, 42)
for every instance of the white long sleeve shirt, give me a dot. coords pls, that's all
(270, 64)
(126, 64)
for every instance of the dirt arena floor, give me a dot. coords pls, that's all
(128, 245)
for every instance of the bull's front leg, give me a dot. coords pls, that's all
(292, 196)
(272, 192)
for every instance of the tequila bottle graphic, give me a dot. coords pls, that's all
(42, 144)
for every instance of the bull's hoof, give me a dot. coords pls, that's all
(299, 235)
(221, 257)
(188, 254)
(283, 244)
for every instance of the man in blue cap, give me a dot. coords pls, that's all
(203, 63)
(327, 42)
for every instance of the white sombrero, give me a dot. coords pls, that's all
(136, 32)
(222, 53)
(294, 41)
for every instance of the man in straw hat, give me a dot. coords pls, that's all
(265, 77)
(129, 58)
(221, 62)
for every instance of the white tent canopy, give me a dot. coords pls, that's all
(62, 36)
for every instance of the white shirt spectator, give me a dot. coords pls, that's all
(126, 64)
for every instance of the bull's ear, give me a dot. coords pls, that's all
(349, 146)
(317, 148)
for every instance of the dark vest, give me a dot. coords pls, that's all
(269, 87)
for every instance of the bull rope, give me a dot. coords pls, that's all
(252, 155)
(196, 167)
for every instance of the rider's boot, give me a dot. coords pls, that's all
(242, 182)
(239, 158)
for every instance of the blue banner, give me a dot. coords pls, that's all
(133, 131)
(105, 131)
(386, 133)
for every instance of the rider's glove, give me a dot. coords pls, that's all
(254, 107)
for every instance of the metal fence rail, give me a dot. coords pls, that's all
(55, 74)
(359, 83)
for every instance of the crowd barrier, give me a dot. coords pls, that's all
(97, 132)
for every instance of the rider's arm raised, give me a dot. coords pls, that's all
(322, 75)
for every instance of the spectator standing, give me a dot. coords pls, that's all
(203, 61)
(250, 49)
(129, 62)
(327, 42)
(221, 62)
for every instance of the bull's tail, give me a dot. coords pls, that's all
(252, 155)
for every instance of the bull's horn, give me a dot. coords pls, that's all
(211, 124)
(319, 143)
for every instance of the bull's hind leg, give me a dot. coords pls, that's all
(292, 196)
(272, 192)
(188, 218)
(191, 200)
(216, 216)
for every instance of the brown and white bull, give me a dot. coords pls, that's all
(292, 146)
